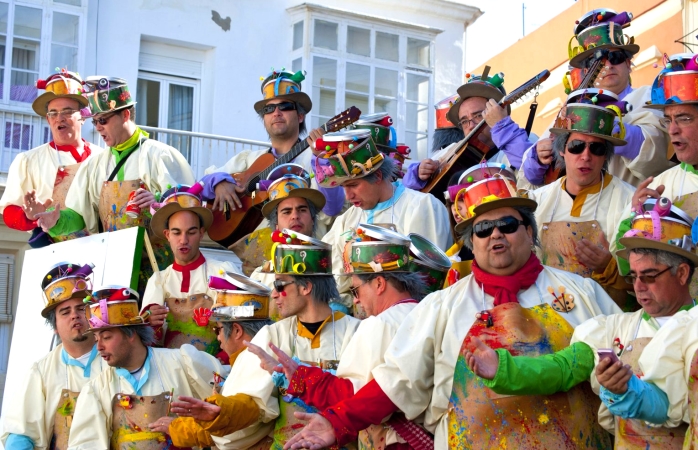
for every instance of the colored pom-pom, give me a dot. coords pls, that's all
(169, 186)
(312, 175)
(351, 146)
(599, 17)
(261, 78)
(358, 240)
(221, 271)
(294, 235)
(469, 179)
(328, 148)
(576, 22)
(668, 65)
(41, 84)
(49, 277)
(87, 299)
(288, 240)
(502, 166)
(600, 91)
(655, 65)
(594, 99)
(568, 91)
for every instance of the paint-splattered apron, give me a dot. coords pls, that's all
(478, 418)
(64, 178)
(691, 442)
(131, 415)
(633, 434)
(183, 329)
(63, 419)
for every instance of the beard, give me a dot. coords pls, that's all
(81, 338)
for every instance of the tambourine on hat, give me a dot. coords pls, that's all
(491, 191)
(380, 125)
(677, 83)
(280, 84)
(584, 115)
(239, 298)
(429, 260)
(346, 155)
(661, 226)
(176, 199)
(478, 86)
(65, 281)
(107, 94)
(293, 253)
(288, 181)
(62, 84)
(114, 306)
(600, 29)
(373, 249)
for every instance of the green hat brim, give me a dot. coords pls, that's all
(613, 140)
(314, 196)
(40, 104)
(631, 243)
(157, 223)
(297, 97)
(496, 204)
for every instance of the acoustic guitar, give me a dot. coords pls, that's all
(230, 226)
(471, 151)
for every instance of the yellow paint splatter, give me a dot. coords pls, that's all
(503, 443)
(543, 419)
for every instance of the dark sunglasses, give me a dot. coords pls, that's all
(576, 147)
(355, 289)
(614, 57)
(647, 279)
(283, 106)
(102, 120)
(506, 225)
(216, 330)
(281, 285)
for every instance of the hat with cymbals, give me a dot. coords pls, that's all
(283, 85)
(376, 249)
(114, 306)
(297, 254)
(287, 181)
(176, 199)
(65, 281)
(107, 94)
(239, 298)
(600, 29)
(677, 83)
(62, 84)
(346, 155)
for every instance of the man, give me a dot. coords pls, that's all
(43, 409)
(176, 293)
(44, 174)
(661, 273)
(115, 408)
(309, 331)
(509, 299)
(578, 214)
(645, 153)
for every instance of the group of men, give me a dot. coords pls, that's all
(564, 317)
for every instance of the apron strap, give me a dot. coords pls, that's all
(123, 161)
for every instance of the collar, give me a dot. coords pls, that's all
(132, 141)
(186, 271)
(399, 189)
(73, 150)
(628, 89)
(689, 168)
(580, 199)
(136, 385)
(234, 356)
(315, 338)
(70, 361)
(276, 154)
(650, 319)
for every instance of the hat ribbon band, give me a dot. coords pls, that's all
(95, 321)
(621, 127)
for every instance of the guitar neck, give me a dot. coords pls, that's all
(591, 75)
(289, 156)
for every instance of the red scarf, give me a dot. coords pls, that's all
(505, 288)
(73, 150)
(187, 269)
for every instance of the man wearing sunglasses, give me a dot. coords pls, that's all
(645, 154)
(508, 300)
(44, 174)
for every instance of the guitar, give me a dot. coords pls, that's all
(470, 151)
(230, 226)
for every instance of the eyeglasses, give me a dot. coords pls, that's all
(283, 106)
(64, 113)
(681, 121)
(614, 57)
(477, 118)
(506, 225)
(576, 147)
(355, 290)
(281, 285)
(102, 120)
(216, 330)
(647, 279)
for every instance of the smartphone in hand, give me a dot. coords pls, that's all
(607, 353)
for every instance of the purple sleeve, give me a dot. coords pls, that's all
(211, 181)
(511, 139)
(635, 139)
(411, 178)
(534, 171)
(334, 196)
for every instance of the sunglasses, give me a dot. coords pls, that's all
(647, 279)
(102, 120)
(355, 290)
(576, 147)
(506, 225)
(283, 106)
(614, 57)
(281, 285)
(216, 329)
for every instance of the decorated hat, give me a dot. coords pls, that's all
(239, 298)
(477, 86)
(107, 94)
(429, 260)
(583, 114)
(486, 192)
(376, 249)
(283, 85)
(176, 199)
(441, 110)
(297, 254)
(289, 180)
(381, 128)
(677, 83)
(660, 226)
(114, 306)
(478, 173)
(572, 79)
(65, 281)
(350, 154)
(599, 29)
(62, 84)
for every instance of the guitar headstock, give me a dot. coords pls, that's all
(343, 119)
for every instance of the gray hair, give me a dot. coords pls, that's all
(388, 169)
(526, 215)
(324, 287)
(559, 148)
(668, 259)
(414, 283)
(249, 327)
(145, 333)
(300, 110)
(274, 215)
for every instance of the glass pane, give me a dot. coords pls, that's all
(69, 2)
(18, 136)
(386, 82)
(181, 107)
(324, 72)
(358, 41)
(23, 86)
(62, 56)
(360, 101)
(417, 117)
(65, 28)
(24, 54)
(417, 142)
(3, 17)
(325, 35)
(326, 107)
(358, 77)
(148, 99)
(417, 88)
(297, 65)
(385, 105)
(387, 46)
(298, 35)
(28, 22)
(2, 53)
(418, 52)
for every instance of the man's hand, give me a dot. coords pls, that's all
(493, 113)
(32, 206)
(544, 151)
(642, 193)
(161, 425)
(483, 361)
(143, 198)
(427, 168)
(158, 314)
(594, 256)
(614, 376)
(47, 220)
(288, 364)
(227, 194)
(266, 361)
(316, 435)
(313, 136)
(193, 407)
